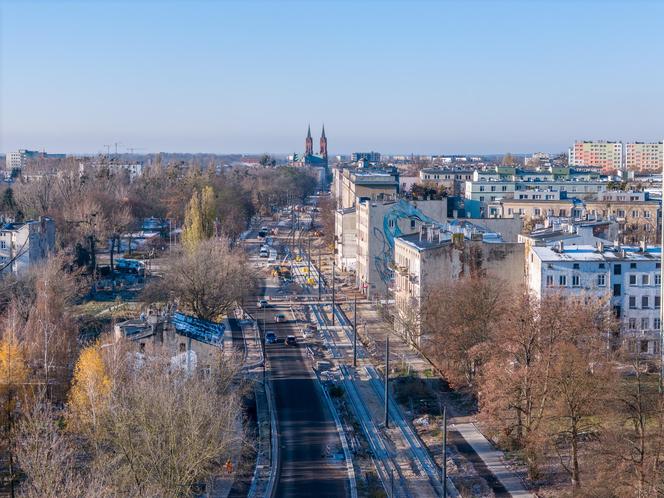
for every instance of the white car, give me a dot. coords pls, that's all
(263, 303)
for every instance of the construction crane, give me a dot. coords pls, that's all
(108, 149)
(116, 147)
(132, 149)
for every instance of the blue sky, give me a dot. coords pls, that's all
(397, 76)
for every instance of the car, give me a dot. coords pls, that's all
(279, 318)
(270, 337)
(290, 340)
(263, 303)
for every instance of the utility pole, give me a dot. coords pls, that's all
(334, 265)
(387, 380)
(355, 331)
(319, 273)
(444, 476)
(309, 256)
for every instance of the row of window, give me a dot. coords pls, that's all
(645, 302)
(601, 280)
(632, 324)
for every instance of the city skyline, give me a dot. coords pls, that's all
(399, 78)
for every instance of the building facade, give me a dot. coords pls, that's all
(439, 254)
(647, 157)
(602, 153)
(628, 278)
(378, 225)
(25, 244)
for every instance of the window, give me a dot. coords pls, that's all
(601, 280)
(646, 214)
(537, 211)
(644, 346)
(575, 266)
(617, 269)
(658, 279)
(657, 302)
(632, 279)
(141, 347)
(617, 311)
(644, 302)
(481, 198)
(183, 347)
(645, 279)
(412, 223)
(645, 323)
(656, 323)
(576, 281)
(632, 302)
(481, 188)
(601, 265)
(3, 244)
(616, 289)
(549, 280)
(504, 188)
(631, 324)
(493, 188)
(562, 280)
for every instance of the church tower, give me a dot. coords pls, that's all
(309, 144)
(323, 144)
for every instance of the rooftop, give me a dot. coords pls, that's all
(593, 253)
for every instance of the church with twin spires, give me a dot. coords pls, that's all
(309, 158)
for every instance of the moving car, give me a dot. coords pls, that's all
(263, 303)
(290, 340)
(270, 337)
(279, 318)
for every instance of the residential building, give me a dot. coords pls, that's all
(378, 223)
(635, 212)
(345, 238)
(628, 278)
(602, 153)
(372, 157)
(441, 253)
(25, 244)
(349, 185)
(644, 156)
(19, 158)
(190, 343)
(453, 179)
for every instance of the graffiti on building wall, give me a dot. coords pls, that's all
(400, 210)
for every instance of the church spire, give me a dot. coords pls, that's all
(308, 143)
(323, 144)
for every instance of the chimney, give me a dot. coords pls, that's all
(421, 229)
(600, 247)
(642, 246)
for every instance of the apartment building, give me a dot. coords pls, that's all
(345, 238)
(24, 244)
(628, 277)
(454, 180)
(377, 225)
(646, 157)
(19, 159)
(439, 253)
(602, 153)
(352, 184)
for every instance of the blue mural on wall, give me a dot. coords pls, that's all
(400, 210)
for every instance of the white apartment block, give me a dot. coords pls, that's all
(24, 244)
(628, 277)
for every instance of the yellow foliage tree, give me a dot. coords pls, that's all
(13, 371)
(208, 210)
(192, 231)
(90, 389)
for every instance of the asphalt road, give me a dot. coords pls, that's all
(309, 444)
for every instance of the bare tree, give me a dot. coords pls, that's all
(208, 280)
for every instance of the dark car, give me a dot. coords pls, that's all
(291, 341)
(270, 337)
